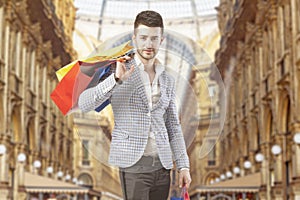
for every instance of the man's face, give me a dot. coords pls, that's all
(147, 41)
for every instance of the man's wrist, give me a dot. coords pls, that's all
(184, 168)
(118, 80)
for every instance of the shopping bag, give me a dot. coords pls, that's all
(184, 194)
(77, 76)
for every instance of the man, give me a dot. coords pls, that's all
(147, 134)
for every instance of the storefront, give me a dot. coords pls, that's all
(43, 188)
(241, 188)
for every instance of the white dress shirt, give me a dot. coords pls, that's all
(153, 95)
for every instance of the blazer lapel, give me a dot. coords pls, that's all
(137, 80)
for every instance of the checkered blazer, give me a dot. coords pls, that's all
(133, 117)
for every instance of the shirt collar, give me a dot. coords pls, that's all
(159, 68)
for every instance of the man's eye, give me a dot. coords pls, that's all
(143, 38)
(154, 38)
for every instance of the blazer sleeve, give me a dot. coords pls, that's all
(175, 133)
(93, 97)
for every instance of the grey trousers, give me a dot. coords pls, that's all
(145, 185)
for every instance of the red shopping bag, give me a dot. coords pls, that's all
(184, 194)
(66, 93)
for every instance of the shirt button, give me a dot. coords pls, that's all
(149, 114)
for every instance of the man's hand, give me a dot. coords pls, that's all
(121, 71)
(184, 178)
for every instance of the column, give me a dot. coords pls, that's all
(40, 196)
(86, 197)
(244, 196)
(3, 174)
(233, 196)
(4, 190)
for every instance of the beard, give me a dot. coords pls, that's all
(147, 54)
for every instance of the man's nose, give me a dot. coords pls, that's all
(148, 43)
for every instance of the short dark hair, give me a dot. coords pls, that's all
(149, 18)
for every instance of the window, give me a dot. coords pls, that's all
(61, 152)
(12, 49)
(44, 83)
(32, 69)
(272, 177)
(265, 52)
(286, 25)
(280, 32)
(69, 152)
(256, 64)
(18, 54)
(297, 13)
(245, 79)
(272, 132)
(212, 153)
(85, 152)
(288, 178)
(52, 149)
(43, 142)
(212, 90)
(257, 135)
(2, 43)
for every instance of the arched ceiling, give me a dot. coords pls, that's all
(177, 14)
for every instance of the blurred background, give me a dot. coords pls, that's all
(237, 70)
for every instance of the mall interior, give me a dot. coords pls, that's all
(236, 64)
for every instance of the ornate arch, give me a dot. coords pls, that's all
(212, 175)
(86, 178)
(221, 196)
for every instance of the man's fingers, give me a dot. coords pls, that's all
(184, 178)
(128, 73)
(124, 67)
(131, 69)
(187, 183)
(180, 181)
(124, 58)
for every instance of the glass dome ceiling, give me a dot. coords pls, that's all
(169, 9)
